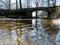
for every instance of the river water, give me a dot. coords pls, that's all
(47, 33)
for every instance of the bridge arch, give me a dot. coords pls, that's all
(40, 14)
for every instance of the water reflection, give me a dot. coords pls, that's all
(27, 34)
(57, 23)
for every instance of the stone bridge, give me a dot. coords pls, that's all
(25, 12)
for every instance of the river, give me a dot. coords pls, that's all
(48, 33)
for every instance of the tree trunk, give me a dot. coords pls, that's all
(16, 4)
(9, 4)
(1, 3)
(28, 1)
(20, 4)
(36, 19)
(54, 3)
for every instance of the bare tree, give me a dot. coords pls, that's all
(16, 4)
(0, 3)
(20, 4)
(28, 1)
(9, 4)
(6, 4)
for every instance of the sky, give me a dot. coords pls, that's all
(13, 1)
(58, 1)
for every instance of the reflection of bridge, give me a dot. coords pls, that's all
(23, 13)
